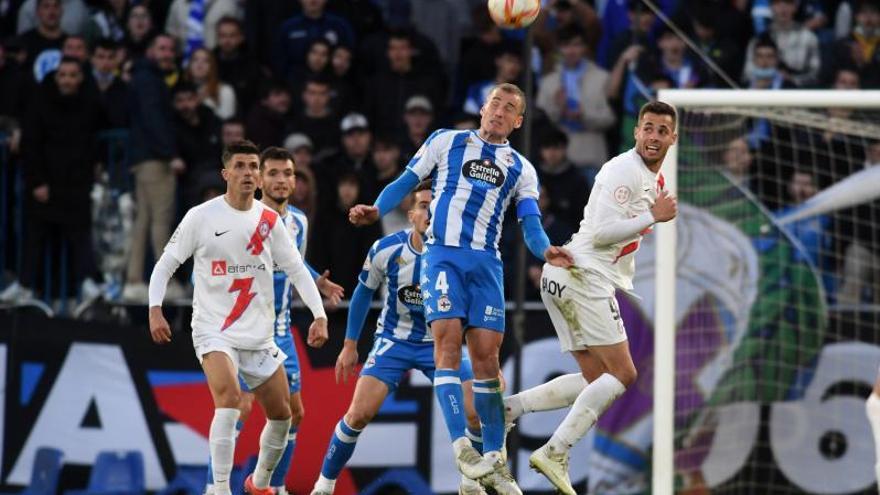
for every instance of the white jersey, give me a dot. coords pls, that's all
(624, 189)
(233, 254)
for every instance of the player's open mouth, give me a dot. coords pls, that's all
(652, 148)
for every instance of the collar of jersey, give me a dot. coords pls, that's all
(476, 133)
(410, 246)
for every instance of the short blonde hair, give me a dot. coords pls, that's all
(514, 90)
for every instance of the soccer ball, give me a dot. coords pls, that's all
(514, 14)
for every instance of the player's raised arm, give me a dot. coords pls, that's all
(420, 166)
(612, 224)
(179, 248)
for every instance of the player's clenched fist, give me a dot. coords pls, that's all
(363, 215)
(318, 333)
(159, 329)
(665, 207)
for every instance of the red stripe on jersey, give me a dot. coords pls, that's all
(245, 296)
(264, 227)
(628, 249)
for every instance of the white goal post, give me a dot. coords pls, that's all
(663, 454)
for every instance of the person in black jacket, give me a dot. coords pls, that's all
(154, 157)
(59, 158)
(198, 132)
(234, 66)
(112, 89)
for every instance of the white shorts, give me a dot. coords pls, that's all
(253, 366)
(582, 307)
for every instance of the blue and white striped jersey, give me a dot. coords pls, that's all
(395, 262)
(297, 224)
(473, 184)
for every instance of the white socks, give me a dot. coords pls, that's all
(872, 408)
(221, 440)
(557, 393)
(325, 484)
(273, 441)
(587, 408)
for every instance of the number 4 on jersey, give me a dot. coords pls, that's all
(243, 286)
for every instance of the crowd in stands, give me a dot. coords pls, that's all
(353, 88)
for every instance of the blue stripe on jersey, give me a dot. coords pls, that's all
(454, 161)
(492, 231)
(284, 292)
(391, 315)
(418, 318)
(475, 203)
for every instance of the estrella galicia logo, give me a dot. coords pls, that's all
(410, 296)
(483, 173)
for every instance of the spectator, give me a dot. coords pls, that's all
(262, 19)
(299, 31)
(353, 157)
(573, 96)
(214, 94)
(641, 21)
(737, 160)
(766, 73)
(443, 23)
(476, 52)
(674, 62)
(234, 66)
(76, 47)
(194, 28)
(798, 46)
(155, 160)
(12, 87)
(342, 83)
(112, 89)
(317, 64)
(386, 157)
(108, 22)
(508, 69)
(860, 48)
(317, 119)
(419, 119)
(334, 238)
(723, 51)
(43, 42)
(861, 266)
(139, 30)
(266, 120)
(72, 20)
(301, 148)
(567, 189)
(305, 196)
(463, 121)
(198, 133)
(232, 131)
(59, 147)
(387, 91)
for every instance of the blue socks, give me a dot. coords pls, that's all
(284, 464)
(447, 387)
(489, 404)
(339, 451)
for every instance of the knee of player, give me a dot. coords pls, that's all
(627, 375)
(245, 404)
(297, 413)
(358, 419)
(448, 353)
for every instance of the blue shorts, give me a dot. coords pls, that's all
(390, 359)
(291, 364)
(465, 284)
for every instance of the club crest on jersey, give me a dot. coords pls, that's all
(483, 173)
(410, 296)
(444, 304)
(622, 194)
(218, 268)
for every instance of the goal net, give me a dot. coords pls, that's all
(775, 256)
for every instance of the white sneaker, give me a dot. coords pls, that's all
(470, 487)
(554, 466)
(471, 464)
(136, 293)
(500, 478)
(16, 292)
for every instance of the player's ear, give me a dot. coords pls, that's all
(224, 172)
(518, 122)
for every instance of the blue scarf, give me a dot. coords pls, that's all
(195, 28)
(571, 83)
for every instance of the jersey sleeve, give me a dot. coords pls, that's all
(302, 238)
(373, 271)
(611, 220)
(527, 185)
(427, 156)
(184, 240)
